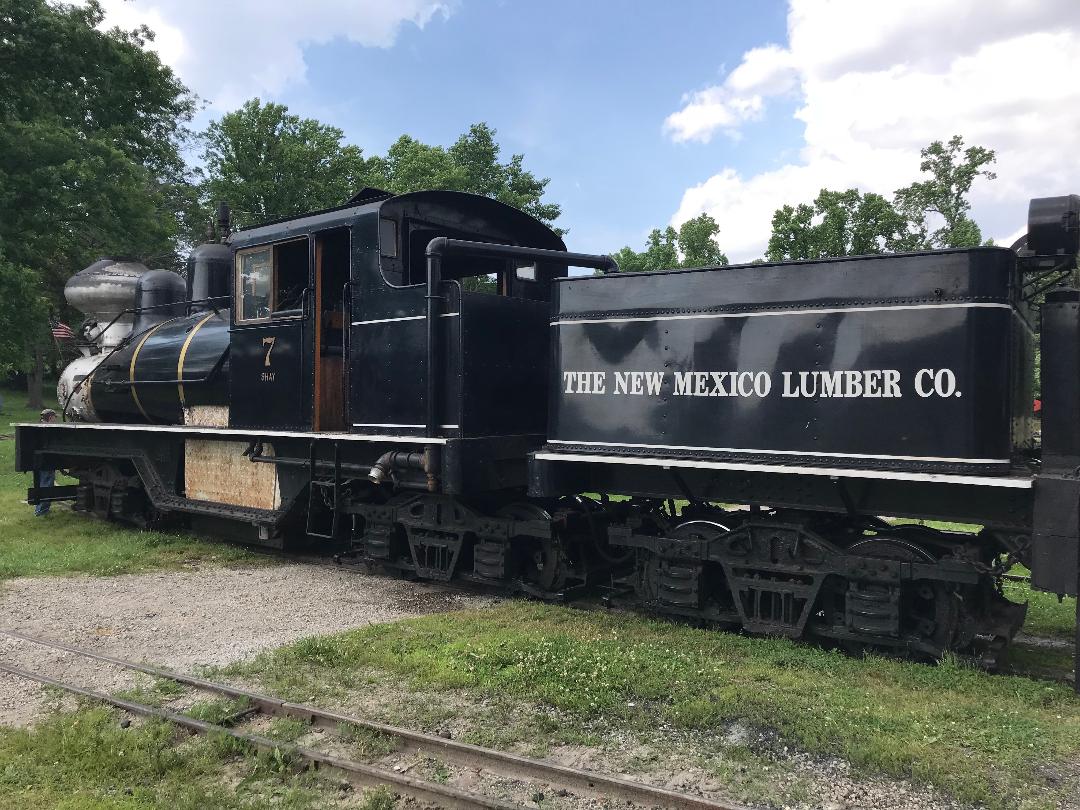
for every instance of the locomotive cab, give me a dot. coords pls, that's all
(328, 327)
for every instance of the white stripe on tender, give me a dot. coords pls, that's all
(404, 318)
(746, 450)
(775, 312)
(666, 463)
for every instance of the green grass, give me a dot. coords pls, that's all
(367, 744)
(379, 798)
(287, 729)
(83, 759)
(1047, 615)
(983, 738)
(941, 525)
(219, 711)
(67, 543)
(1045, 662)
(157, 693)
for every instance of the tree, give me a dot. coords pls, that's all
(838, 223)
(697, 242)
(91, 125)
(694, 242)
(660, 253)
(471, 164)
(267, 163)
(953, 170)
(23, 309)
(848, 223)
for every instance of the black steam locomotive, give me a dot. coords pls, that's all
(721, 443)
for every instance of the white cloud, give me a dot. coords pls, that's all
(230, 51)
(763, 71)
(879, 81)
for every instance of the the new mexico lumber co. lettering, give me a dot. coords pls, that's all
(866, 383)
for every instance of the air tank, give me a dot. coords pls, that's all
(172, 365)
(101, 292)
(209, 276)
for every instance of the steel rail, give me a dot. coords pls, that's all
(355, 772)
(459, 753)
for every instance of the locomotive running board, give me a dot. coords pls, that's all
(1014, 482)
(240, 433)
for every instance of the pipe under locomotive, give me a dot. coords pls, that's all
(333, 380)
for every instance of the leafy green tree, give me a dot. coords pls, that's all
(660, 253)
(23, 309)
(838, 223)
(693, 245)
(267, 163)
(91, 126)
(471, 164)
(953, 169)
(697, 242)
(848, 223)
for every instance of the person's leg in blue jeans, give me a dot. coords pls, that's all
(46, 478)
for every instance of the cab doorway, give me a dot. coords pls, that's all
(331, 276)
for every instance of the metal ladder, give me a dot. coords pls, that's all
(317, 483)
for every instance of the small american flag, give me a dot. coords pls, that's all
(61, 331)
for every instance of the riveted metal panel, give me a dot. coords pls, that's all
(906, 362)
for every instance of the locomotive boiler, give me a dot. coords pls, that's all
(150, 348)
(758, 446)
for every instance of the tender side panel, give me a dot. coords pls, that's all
(909, 382)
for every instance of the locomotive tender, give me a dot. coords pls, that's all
(332, 379)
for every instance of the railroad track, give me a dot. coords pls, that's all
(546, 777)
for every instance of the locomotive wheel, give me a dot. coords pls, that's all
(544, 563)
(584, 523)
(930, 609)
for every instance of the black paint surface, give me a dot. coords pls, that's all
(950, 310)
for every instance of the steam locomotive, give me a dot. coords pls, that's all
(732, 444)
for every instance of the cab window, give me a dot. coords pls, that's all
(270, 281)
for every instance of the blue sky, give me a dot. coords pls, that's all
(649, 113)
(581, 89)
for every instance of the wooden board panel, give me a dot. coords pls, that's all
(221, 473)
(331, 401)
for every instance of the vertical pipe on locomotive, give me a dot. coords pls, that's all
(434, 353)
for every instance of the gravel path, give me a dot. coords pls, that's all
(187, 618)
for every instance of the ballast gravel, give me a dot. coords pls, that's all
(184, 619)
